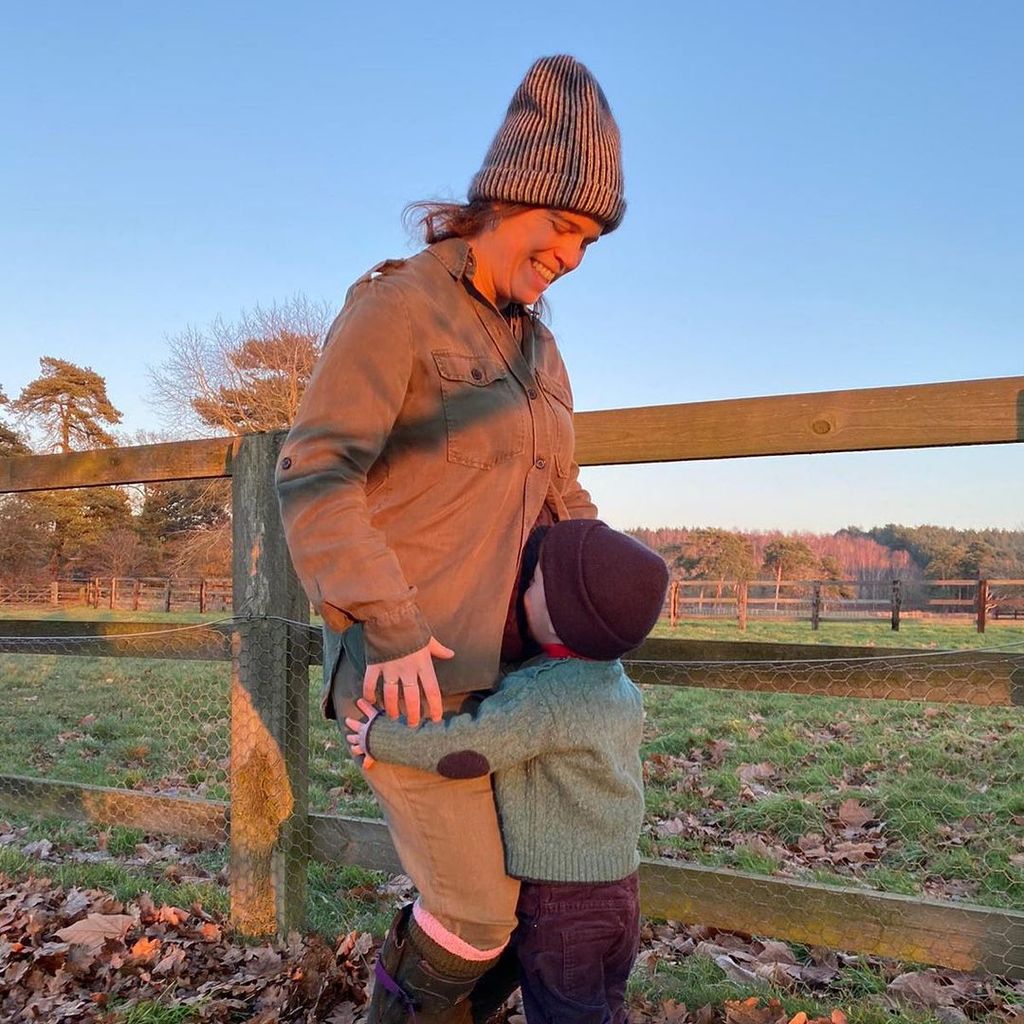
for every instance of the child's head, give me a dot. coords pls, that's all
(595, 590)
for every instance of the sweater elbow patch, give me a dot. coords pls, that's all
(463, 764)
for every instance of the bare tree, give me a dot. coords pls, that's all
(241, 377)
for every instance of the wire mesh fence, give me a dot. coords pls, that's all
(861, 802)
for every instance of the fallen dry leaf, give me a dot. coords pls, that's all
(95, 929)
(747, 1011)
(921, 988)
(146, 948)
(173, 916)
(854, 814)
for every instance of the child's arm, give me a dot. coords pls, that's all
(511, 726)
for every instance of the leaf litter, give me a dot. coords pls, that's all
(81, 956)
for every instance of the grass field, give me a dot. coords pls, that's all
(920, 799)
(898, 796)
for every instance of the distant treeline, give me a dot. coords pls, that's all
(883, 552)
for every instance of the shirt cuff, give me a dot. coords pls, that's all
(400, 635)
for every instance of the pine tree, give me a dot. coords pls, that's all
(70, 404)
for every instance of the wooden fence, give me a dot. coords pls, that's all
(124, 593)
(271, 840)
(833, 600)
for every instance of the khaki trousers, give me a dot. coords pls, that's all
(447, 836)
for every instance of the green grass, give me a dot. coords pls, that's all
(152, 1012)
(941, 780)
(913, 633)
(698, 981)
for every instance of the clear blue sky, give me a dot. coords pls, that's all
(821, 196)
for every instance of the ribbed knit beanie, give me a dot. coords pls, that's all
(558, 147)
(604, 590)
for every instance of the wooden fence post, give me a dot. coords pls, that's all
(55, 593)
(202, 595)
(816, 605)
(982, 604)
(269, 706)
(167, 595)
(136, 589)
(741, 604)
(897, 604)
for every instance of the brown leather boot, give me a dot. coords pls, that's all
(416, 978)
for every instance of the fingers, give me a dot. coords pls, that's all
(370, 677)
(367, 707)
(356, 750)
(438, 649)
(432, 694)
(391, 687)
(411, 698)
(408, 682)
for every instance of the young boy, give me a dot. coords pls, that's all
(562, 737)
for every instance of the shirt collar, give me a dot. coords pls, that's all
(455, 255)
(561, 651)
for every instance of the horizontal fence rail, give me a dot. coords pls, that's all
(959, 936)
(989, 411)
(981, 678)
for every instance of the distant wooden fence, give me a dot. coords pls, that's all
(124, 593)
(819, 601)
(271, 840)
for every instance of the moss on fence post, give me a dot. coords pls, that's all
(269, 706)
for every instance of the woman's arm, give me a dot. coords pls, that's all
(346, 566)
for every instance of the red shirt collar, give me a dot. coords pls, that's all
(561, 651)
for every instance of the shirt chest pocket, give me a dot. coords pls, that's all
(559, 402)
(483, 409)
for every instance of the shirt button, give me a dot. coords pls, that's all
(476, 374)
(531, 393)
(540, 463)
(286, 463)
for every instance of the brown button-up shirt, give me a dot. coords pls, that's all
(425, 447)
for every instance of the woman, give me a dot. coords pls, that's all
(436, 431)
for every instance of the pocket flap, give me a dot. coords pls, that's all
(555, 388)
(469, 369)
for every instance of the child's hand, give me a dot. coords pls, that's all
(360, 726)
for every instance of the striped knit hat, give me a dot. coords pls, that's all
(558, 146)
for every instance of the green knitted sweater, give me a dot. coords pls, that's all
(562, 737)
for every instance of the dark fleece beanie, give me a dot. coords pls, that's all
(604, 590)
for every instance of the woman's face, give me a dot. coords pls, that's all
(528, 250)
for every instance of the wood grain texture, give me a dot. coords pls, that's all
(916, 416)
(269, 707)
(960, 936)
(115, 639)
(922, 931)
(205, 820)
(958, 677)
(150, 463)
(989, 411)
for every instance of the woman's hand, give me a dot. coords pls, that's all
(404, 678)
(359, 728)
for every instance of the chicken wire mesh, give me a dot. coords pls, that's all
(895, 775)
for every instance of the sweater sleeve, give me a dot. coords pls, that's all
(511, 726)
(344, 421)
